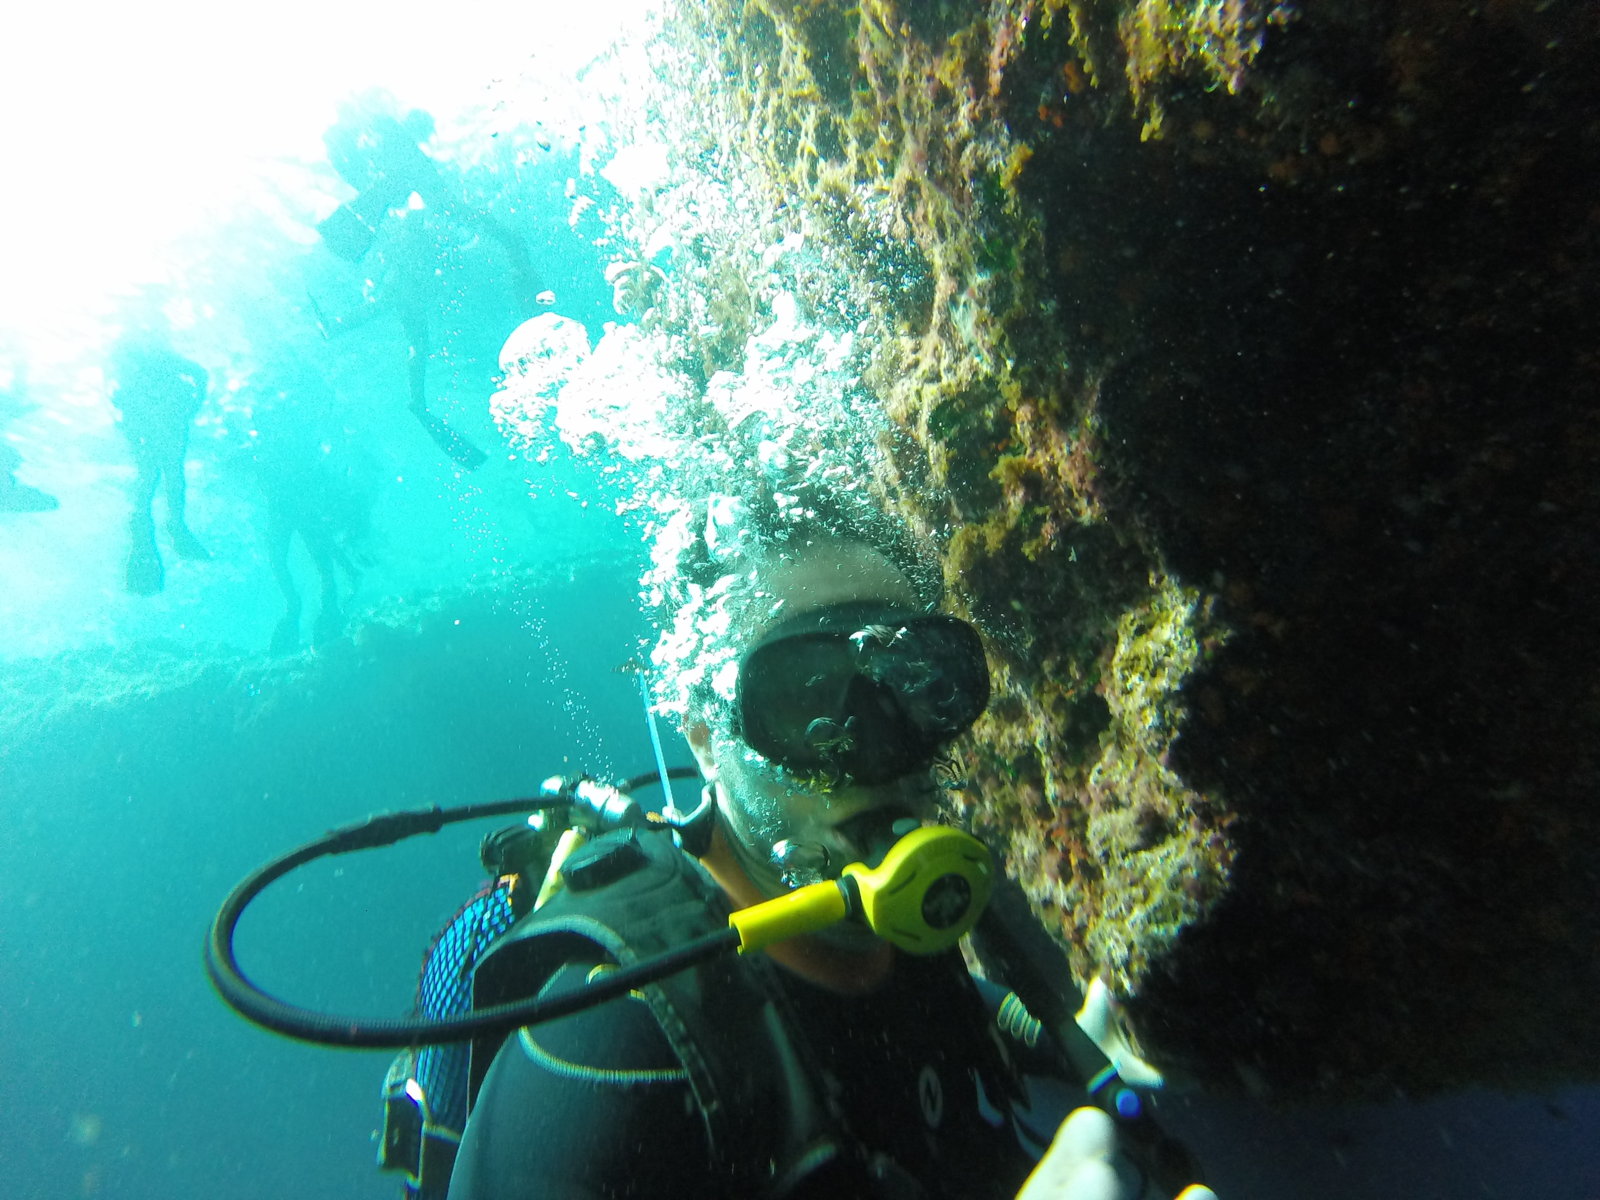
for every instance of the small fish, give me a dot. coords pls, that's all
(947, 775)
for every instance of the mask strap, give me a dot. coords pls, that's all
(693, 830)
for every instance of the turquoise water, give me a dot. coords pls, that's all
(132, 813)
(156, 748)
(245, 307)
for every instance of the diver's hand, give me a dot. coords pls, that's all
(1081, 1165)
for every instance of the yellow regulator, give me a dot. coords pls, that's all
(926, 894)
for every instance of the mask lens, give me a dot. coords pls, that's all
(868, 695)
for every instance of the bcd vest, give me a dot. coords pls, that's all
(769, 1122)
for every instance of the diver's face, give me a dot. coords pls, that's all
(788, 830)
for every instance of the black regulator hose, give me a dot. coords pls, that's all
(329, 1029)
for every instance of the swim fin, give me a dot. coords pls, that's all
(460, 450)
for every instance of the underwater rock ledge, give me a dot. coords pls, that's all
(1241, 362)
(443, 700)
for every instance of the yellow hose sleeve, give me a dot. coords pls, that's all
(807, 910)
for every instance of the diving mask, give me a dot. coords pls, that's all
(860, 693)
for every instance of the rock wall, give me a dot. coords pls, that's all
(1239, 359)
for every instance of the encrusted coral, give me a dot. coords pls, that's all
(878, 132)
(1233, 357)
(1214, 40)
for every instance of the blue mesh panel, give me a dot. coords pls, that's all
(445, 990)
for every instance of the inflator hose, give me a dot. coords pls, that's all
(329, 1029)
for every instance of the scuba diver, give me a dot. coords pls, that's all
(816, 724)
(310, 476)
(402, 191)
(858, 1056)
(157, 393)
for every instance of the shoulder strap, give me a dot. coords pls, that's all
(634, 895)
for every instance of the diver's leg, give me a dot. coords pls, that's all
(415, 320)
(524, 282)
(330, 618)
(144, 573)
(286, 635)
(183, 539)
(352, 570)
(460, 450)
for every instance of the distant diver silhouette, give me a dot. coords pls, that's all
(157, 393)
(378, 151)
(309, 487)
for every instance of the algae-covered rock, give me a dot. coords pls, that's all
(1238, 361)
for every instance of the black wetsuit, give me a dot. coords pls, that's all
(913, 1082)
